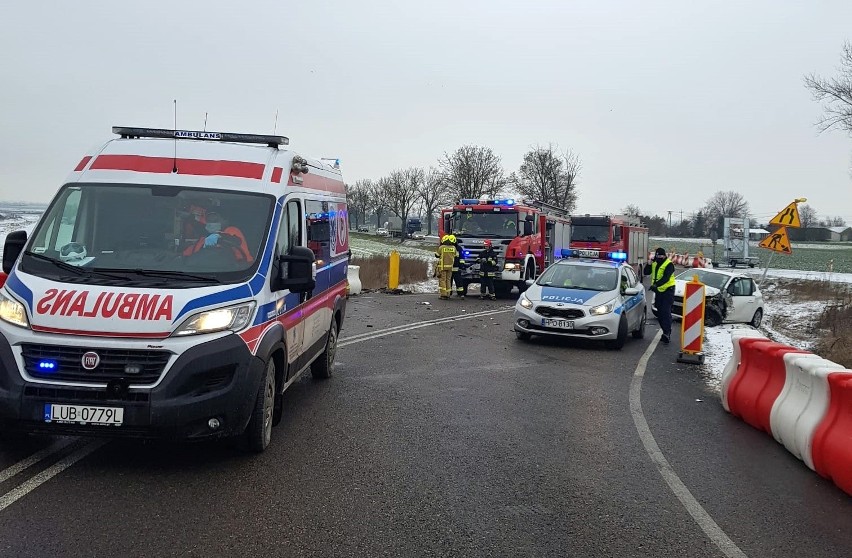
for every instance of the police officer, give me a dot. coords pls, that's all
(663, 285)
(447, 254)
(487, 270)
(461, 288)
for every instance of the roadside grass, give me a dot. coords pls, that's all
(835, 330)
(374, 270)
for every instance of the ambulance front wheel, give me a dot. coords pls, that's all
(258, 433)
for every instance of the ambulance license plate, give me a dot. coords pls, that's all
(83, 414)
(561, 324)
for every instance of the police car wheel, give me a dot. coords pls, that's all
(617, 343)
(639, 332)
(523, 336)
(322, 366)
(258, 433)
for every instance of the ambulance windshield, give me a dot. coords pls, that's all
(502, 224)
(169, 235)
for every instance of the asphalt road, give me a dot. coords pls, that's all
(452, 439)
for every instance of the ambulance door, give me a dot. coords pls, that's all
(317, 314)
(290, 234)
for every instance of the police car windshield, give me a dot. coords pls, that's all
(482, 225)
(185, 235)
(580, 276)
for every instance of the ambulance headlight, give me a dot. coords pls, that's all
(13, 312)
(233, 318)
(603, 308)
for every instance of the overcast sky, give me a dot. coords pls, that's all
(665, 102)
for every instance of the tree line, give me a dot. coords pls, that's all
(546, 174)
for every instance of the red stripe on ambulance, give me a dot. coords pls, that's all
(124, 306)
(83, 162)
(317, 182)
(166, 165)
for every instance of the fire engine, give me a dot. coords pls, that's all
(527, 236)
(596, 235)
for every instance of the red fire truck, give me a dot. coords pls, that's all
(527, 236)
(593, 235)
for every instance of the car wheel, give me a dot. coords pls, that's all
(757, 319)
(617, 343)
(523, 335)
(322, 366)
(639, 333)
(258, 433)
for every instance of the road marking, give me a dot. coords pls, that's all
(417, 325)
(28, 462)
(25, 488)
(698, 513)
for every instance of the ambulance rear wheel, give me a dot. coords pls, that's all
(322, 366)
(258, 433)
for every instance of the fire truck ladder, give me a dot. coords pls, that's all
(548, 207)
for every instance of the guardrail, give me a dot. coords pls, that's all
(800, 399)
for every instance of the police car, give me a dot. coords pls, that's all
(600, 299)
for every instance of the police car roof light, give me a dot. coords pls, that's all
(129, 132)
(509, 201)
(568, 253)
(618, 256)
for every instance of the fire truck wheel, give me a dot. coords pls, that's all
(617, 343)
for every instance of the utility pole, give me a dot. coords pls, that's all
(670, 221)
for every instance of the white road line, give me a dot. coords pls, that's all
(28, 462)
(25, 488)
(698, 513)
(416, 325)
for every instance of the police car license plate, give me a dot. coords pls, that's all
(561, 324)
(83, 414)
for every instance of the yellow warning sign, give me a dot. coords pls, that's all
(789, 217)
(778, 241)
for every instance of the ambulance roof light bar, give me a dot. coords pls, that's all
(129, 132)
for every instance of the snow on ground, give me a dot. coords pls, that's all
(26, 221)
(409, 248)
(757, 273)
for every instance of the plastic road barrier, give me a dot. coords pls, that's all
(732, 367)
(354, 279)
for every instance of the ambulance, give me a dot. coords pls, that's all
(178, 283)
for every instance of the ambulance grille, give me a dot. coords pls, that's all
(137, 367)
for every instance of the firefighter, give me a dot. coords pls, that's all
(458, 264)
(446, 254)
(487, 270)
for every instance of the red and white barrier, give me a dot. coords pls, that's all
(802, 404)
(802, 400)
(732, 367)
(686, 260)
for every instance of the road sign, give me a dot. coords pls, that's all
(788, 217)
(778, 241)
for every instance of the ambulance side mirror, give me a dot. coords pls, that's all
(12, 249)
(295, 271)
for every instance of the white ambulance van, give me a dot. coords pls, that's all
(177, 284)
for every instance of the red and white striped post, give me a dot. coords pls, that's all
(692, 323)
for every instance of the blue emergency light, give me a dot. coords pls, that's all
(47, 365)
(509, 201)
(465, 253)
(618, 256)
(468, 201)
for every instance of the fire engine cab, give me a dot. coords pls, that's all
(528, 236)
(595, 235)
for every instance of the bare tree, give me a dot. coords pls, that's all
(721, 205)
(808, 216)
(547, 176)
(378, 199)
(401, 188)
(358, 197)
(835, 94)
(433, 193)
(472, 171)
(837, 222)
(631, 210)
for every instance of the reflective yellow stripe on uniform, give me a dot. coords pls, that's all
(657, 274)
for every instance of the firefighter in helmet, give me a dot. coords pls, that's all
(487, 270)
(447, 254)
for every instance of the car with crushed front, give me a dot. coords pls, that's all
(730, 297)
(599, 299)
